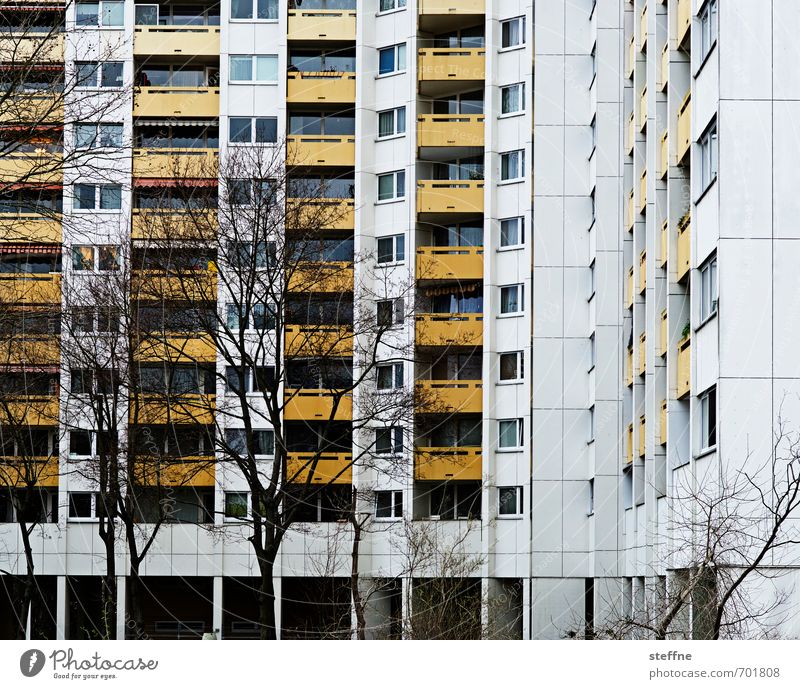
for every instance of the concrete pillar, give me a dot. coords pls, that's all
(276, 582)
(406, 606)
(122, 607)
(526, 608)
(62, 608)
(216, 617)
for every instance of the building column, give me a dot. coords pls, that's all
(276, 584)
(405, 606)
(526, 608)
(216, 615)
(122, 607)
(62, 608)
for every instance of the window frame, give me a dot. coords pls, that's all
(520, 222)
(397, 376)
(707, 413)
(395, 112)
(253, 69)
(248, 506)
(522, 30)
(505, 163)
(397, 307)
(92, 510)
(393, 505)
(396, 440)
(518, 496)
(708, 33)
(520, 300)
(519, 368)
(254, 12)
(253, 130)
(97, 138)
(397, 53)
(708, 155)
(397, 6)
(398, 240)
(519, 435)
(709, 290)
(98, 197)
(398, 186)
(521, 98)
(100, 13)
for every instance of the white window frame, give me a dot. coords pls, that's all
(520, 300)
(253, 128)
(395, 114)
(396, 6)
(92, 444)
(709, 294)
(398, 186)
(708, 20)
(513, 159)
(398, 311)
(255, 430)
(520, 88)
(519, 368)
(98, 186)
(518, 513)
(521, 22)
(706, 404)
(520, 223)
(95, 248)
(98, 74)
(708, 157)
(399, 55)
(253, 14)
(97, 138)
(519, 434)
(100, 24)
(395, 513)
(248, 514)
(93, 510)
(398, 240)
(253, 68)
(396, 440)
(398, 380)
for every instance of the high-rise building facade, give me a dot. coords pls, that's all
(535, 206)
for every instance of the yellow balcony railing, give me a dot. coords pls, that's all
(160, 409)
(631, 135)
(41, 108)
(664, 154)
(450, 263)
(30, 227)
(323, 214)
(629, 292)
(21, 472)
(450, 130)
(643, 109)
(663, 430)
(317, 405)
(450, 196)
(157, 285)
(684, 368)
(684, 140)
(155, 224)
(30, 288)
(325, 25)
(665, 66)
(684, 20)
(643, 192)
(181, 163)
(185, 472)
(643, 29)
(320, 87)
(631, 57)
(446, 463)
(29, 48)
(44, 167)
(664, 242)
(684, 247)
(177, 348)
(319, 468)
(662, 350)
(449, 396)
(330, 277)
(451, 64)
(30, 350)
(642, 435)
(642, 354)
(629, 367)
(318, 340)
(190, 41)
(321, 150)
(447, 329)
(642, 272)
(451, 7)
(629, 444)
(30, 410)
(631, 214)
(176, 101)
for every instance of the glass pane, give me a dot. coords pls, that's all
(111, 135)
(508, 433)
(82, 258)
(385, 187)
(508, 366)
(386, 61)
(401, 57)
(267, 9)
(508, 501)
(240, 130)
(86, 74)
(84, 196)
(146, 15)
(85, 135)
(401, 120)
(400, 248)
(509, 232)
(110, 197)
(266, 130)
(241, 68)
(113, 13)
(111, 75)
(401, 184)
(107, 258)
(266, 68)
(87, 13)
(386, 123)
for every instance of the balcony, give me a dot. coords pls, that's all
(629, 445)
(450, 263)
(684, 142)
(30, 288)
(41, 108)
(684, 247)
(642, 435)
(191, 41)
(176, 101)
(664, 242)
(177, 348)
(662, 437)
(665, 66)
(317, 405)
(321, 150)
(30, 227)
(43, 167)
(684, 22)
(450, 130)
(643, 110)
(181, 163)
(30, 410)
(323, 468)
(451, 64)
(154, 409)
(184, 472)
(451, 7)
(664, 154)
(450, 196)
(629, 291)
(16, 473)
(318, 340)
(161, 225)
(629, 367)
(323, 214)
(320, 87)
(327, 25)
(662, 350)
(642, 272)
(449, 396)
(30, 350)
(446, 463)
(684, 368)
(329, 277)
(157, 285)
(28, 48)
(642, 354)
(643, 193)
(449, 329)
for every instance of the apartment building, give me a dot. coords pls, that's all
(504, 187)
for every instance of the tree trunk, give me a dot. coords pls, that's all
(28, 585)
(108, 585)
(266, 598)
(355, 592)
(134, 612)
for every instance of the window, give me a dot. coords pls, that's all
(708, 419)
(262, 317)
(392, 122)
(509, 501)
(80, 443)
(512, 232)
(80, 381)
(251, 192)
(83, 257)
(455, 500)
(512, 32)
(512, 165)
(106, 197)
(510, 434)
(389, 441)
(236, 505)
(84, 506)
(392, 185)
(389, 504)
(103, 13)
(91, 135)
(261, 69)
(260, 382)
(707, 148)
(248, 130)
(250, 9)
(511, 366)
(511, 299)
(388, 5)
(707, 17)
(390, 376)
(512, 98)
(392, 249)
(263, 441)
(708, 289)
(392, 59)
(390, 312)
(98, 75)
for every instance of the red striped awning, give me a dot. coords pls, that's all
(33, 186)
(30, 248)
(172, 182)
